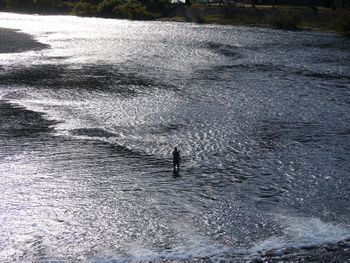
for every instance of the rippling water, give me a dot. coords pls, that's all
(262, 119)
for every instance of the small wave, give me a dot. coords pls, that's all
(272, 132)
(106, 78)
(301, 232)
(282, 69)
(330, 252)
(190, 246)
(224, 49)
(93, 132)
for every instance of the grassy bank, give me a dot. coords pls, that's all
(131, 9)
(280, 17)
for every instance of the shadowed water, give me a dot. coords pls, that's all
(87, 127)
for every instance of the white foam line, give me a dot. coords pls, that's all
(189, 244)
(303, 231)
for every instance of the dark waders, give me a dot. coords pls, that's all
(176, 165)
(176, 160)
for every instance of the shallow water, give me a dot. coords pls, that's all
(262, 119)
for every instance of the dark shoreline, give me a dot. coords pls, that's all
(14, 41)
(290, 18)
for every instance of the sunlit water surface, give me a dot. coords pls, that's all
(262, 119)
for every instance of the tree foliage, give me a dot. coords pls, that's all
(133, 9)
(38, 5)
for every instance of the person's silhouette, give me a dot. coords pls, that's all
(176, 160)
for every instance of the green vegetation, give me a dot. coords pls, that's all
(287, 20)
(37, 5)
(131, 9)
(276, 16)
(342, 23)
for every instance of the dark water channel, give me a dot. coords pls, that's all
(87, 126)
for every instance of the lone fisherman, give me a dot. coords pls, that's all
(176, 159)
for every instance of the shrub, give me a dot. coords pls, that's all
(342, 23)
(19, 4)
(105, 8)
(83, 9)
(132, 10)
(158, 6)
(193, 15)
(289, 20)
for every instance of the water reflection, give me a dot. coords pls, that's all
(87, 128)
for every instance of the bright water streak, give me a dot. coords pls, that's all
(262, 119)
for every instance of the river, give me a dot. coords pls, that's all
(88, 124)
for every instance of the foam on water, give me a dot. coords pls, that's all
(303, 231)
(257, 137)
(190, 245)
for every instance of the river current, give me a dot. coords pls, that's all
(88, 124)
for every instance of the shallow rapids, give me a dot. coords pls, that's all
(89, 120)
